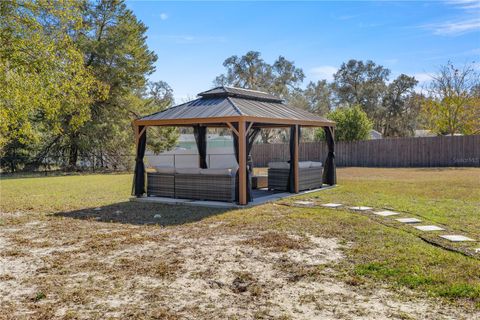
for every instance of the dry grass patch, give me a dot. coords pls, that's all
(148, 265)
(279, 242)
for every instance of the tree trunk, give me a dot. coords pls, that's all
(101, 159)
(73, 154)
(12, 162)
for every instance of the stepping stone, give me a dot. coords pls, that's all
(157, 216)
(386, 213)
(456, 238)
(429, 228)
(305, 203)
(97, 209)
(331, 205)
(408, 220)
(361, 208)
(477, 250)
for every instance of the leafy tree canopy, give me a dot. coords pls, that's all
(352, 124)
(400, 107)
(252, 72)
(44, 84)
(73, 75)
(453, 105)
(360, 83)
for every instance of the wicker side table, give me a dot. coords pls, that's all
(259, 182)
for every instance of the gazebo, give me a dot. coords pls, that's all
(245, 113)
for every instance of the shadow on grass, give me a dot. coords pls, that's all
(144, 213)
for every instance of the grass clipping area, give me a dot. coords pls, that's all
(72, 247)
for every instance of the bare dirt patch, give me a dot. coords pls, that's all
(80, 269)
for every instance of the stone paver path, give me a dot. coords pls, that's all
(408, 220)
(386, 213)
(361, 208)
(429, 228)
(332, 205)
(304, 203)
(456, 238)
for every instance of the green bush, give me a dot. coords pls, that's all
(352, 124)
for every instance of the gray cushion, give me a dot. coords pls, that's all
(315, 164)
(216, 171)
(161, 169)
(304, 164)
(188, 170)
(279, 165)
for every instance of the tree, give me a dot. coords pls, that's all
(159, 98)
(249, 71)
(352, 124)
(45, 88)
(318, 95)
(252, 72)
(113, 43)
(73, 75)
(361, 83)
(400, 107)
(453, 105)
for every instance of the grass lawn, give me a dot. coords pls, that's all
(70, 260)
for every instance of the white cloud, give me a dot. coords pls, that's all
(455, 27)
(465, 4)
(422, 77)
(323, 72)
(163, 16)
(468, 21)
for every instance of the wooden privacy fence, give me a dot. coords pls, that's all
(443, 151)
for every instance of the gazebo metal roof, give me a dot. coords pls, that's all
(227, 102)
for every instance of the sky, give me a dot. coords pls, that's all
(192, 39)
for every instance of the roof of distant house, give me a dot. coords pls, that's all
(374, 134)
(424, 133)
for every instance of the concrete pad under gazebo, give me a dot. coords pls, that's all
(244, 112)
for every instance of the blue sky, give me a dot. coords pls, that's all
(192, 39)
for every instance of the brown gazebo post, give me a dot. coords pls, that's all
(295, 160)
(242, 163)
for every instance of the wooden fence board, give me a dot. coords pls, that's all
(463, 151)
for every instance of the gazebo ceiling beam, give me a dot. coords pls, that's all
(249, 127)
(260, 122)
(235, 131)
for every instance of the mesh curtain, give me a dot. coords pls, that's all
(330, 171)
(139, 173)
(200, 134)
(291, 174)
(252, 134)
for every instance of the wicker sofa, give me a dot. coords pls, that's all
(161, 184)
(310, 175)
(192, 183)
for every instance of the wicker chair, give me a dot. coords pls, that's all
(309, 178)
